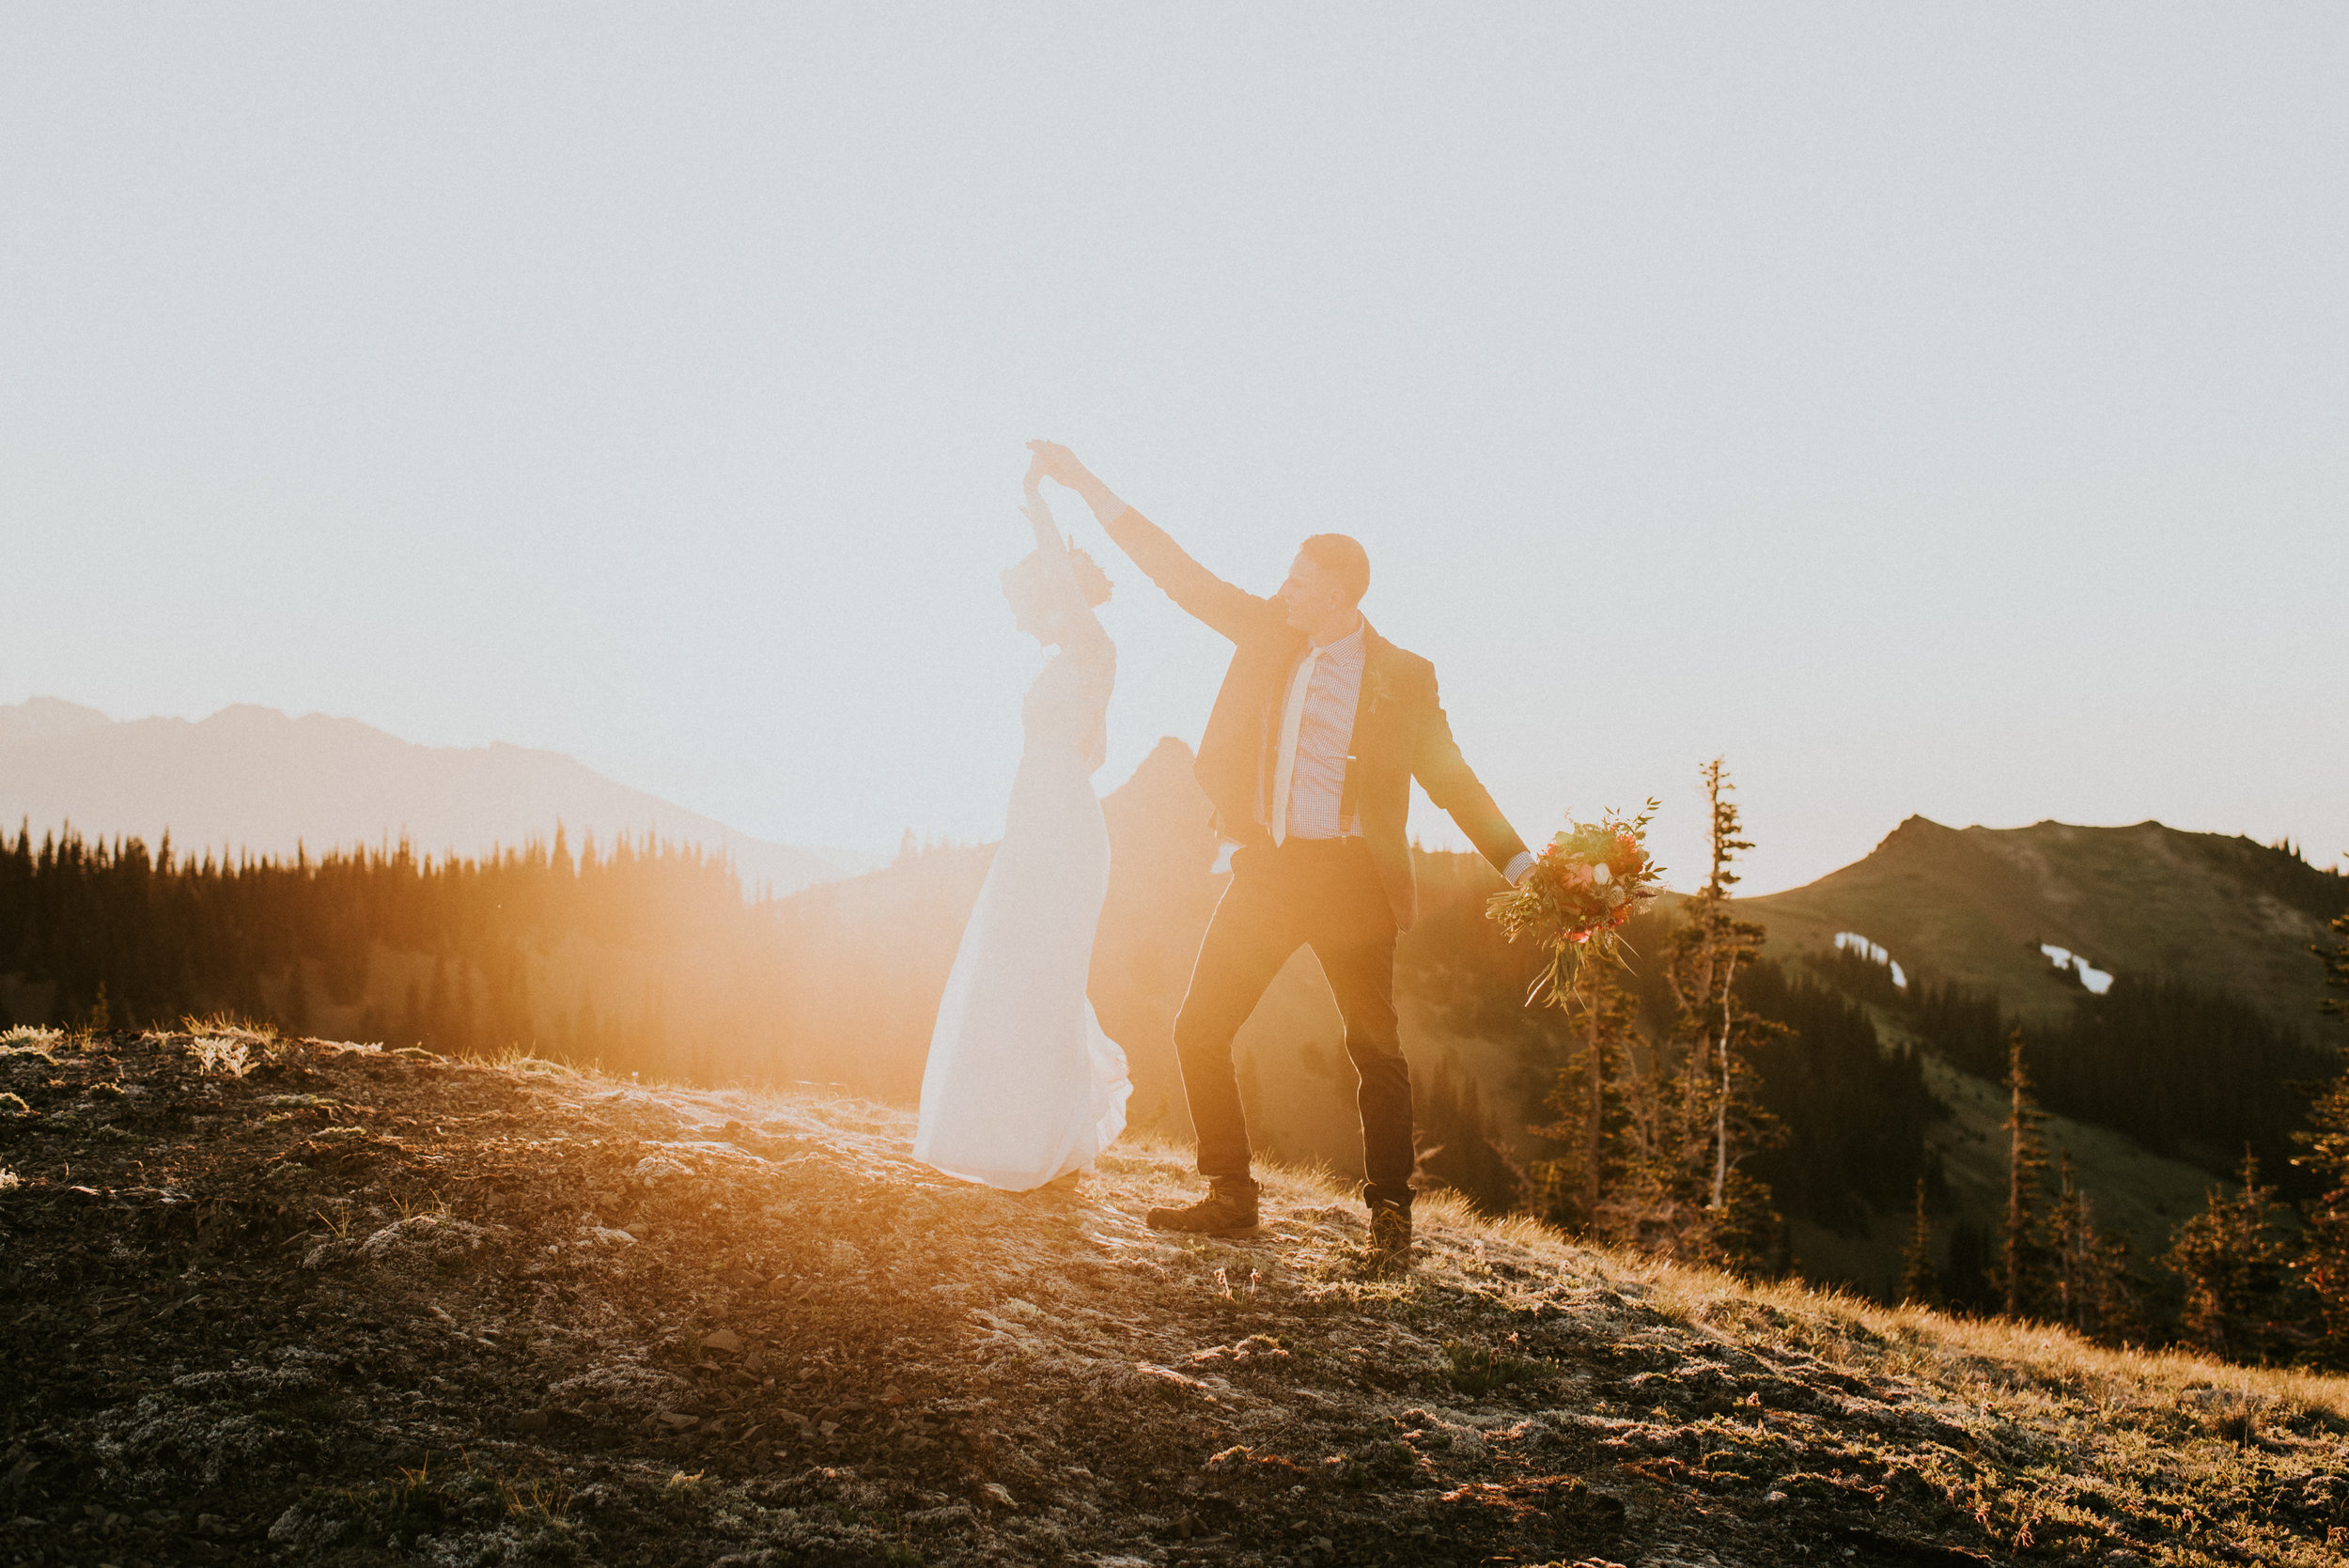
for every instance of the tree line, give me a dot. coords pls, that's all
(2268, 1282)
(2138, 1059)
(2262, 1281)
(111, 934)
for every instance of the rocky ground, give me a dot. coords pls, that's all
(302, 1302)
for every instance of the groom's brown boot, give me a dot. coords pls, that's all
(1391, 1235)
(1229, 1206)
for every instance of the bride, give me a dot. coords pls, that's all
(1021, 1086)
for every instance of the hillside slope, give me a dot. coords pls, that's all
(1974, 903)
(252, 779)
(323, 1304)
(2148, 904)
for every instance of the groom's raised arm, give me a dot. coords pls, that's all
(1225, 606)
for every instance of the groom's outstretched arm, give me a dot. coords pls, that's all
(1227, 607)
(1455, 789)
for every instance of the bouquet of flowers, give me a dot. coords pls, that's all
(1585, 883)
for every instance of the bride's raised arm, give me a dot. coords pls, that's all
(1048, 537)
(1229, 609)
(1079, 624)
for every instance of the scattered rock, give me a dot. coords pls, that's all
(309, 1526)
(622, 1391)
(423, 1245)
(330, 1253)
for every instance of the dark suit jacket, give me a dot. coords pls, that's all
(1400, 731)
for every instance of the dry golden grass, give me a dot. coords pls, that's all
(1453, 1235)
(1721, 1407)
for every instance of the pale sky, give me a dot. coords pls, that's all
(1935, 409)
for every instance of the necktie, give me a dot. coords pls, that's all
(1292, 720)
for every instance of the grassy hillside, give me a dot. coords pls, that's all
(1972, 905)
(2155, 907)
(326, 1304)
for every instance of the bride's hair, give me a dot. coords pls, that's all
(1035, 587)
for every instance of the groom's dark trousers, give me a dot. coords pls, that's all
(1325, 894)
(1346, 898)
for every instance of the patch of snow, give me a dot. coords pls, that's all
(1852, 942)
(2097, 981)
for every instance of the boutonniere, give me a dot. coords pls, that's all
(1376, 689)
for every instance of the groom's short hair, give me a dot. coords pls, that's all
(1344, 558)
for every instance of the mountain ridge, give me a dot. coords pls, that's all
(2145, 899)
(254, 778)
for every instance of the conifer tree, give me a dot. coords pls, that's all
(1705, 1117)
(1921, 1283)
(2336, 960)
(2236, 1264)
(1589, 1096)
(1644, 1204)
(2089, 1287)
(2324, 1260)
(2019, 1273)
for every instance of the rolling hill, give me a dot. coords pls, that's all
(2189, 916)
(1975, 906)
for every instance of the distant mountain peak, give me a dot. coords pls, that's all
(251, 778)
(1984, 904)
(41, 718)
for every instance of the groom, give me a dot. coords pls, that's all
(1308, 759)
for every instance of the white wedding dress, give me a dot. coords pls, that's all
(1021, 1085)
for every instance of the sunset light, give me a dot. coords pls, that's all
(1217, 785)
